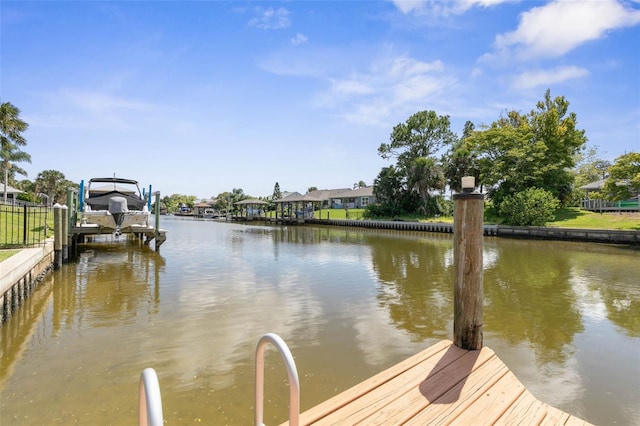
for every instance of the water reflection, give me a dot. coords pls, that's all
(113, 282)
(349, 303)
(415, 283)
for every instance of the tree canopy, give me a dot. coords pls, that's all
(54, 184)
(521, 151)
(277, 194)
(11, 140)
(624, 178)
(414, 145)
(422, 135)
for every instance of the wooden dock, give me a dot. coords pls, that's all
(440, 385)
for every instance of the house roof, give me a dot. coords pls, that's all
(250, 201)
(327, 194)
(286, 197)
(363, 191)
(10, 189)
(593, 186)
(298, 198)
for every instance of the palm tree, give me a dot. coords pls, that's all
(11, 139)
(54, 184)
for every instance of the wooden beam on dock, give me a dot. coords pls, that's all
(149, 232)
(441, 385)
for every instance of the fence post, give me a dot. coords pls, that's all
(24, 225)
(468, 215)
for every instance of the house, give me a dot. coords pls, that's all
(329, 198)
(12, 193)
(600, 205)
(204, 208)
(359, 198)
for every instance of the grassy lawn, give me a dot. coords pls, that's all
(12, 231)
(5, 254)
(356, 214)
(571, 217)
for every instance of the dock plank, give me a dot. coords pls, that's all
(335, 403)
(526, 409)
(441, 385)
(463, 395)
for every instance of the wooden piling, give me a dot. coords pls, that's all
(58, 236)
(65, 234)
(468, 294)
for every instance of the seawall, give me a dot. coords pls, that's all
(20, 274)
(530, 232)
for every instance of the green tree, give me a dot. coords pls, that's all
(312, 188)
(422, 135)
(532, 207)
(173, 202)
(11, 140)
(537, 149)
(461, 161)
(226, 200)
(624, 178)
(414, 145)
(426, 175)
(277, 194)
(589, 168)
(54, 184)
(393, 197)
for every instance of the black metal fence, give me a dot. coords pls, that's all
(24, 224)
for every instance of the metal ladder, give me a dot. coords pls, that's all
(150, 399)
(292, 372)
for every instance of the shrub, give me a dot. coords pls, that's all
(532, 207)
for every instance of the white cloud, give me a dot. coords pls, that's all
(271, 19)
(92, 109)
(542, 78)
(441, 7)
(299, 39)
(351, 87)
(408, 6)
(560, 26)
(404, 66)
(397, 84)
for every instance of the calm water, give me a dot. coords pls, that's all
(565, 317)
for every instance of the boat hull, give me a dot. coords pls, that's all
(118, 206)
(104, 219)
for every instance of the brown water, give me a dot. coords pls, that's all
(565, 317)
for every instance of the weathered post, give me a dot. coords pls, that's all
(468, 213)
(57, 236)
(72, 216)
(65, 234)
(157, 212)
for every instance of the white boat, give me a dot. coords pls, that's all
(209, 214)
(117, 205)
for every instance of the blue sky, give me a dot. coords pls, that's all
(202, 97)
